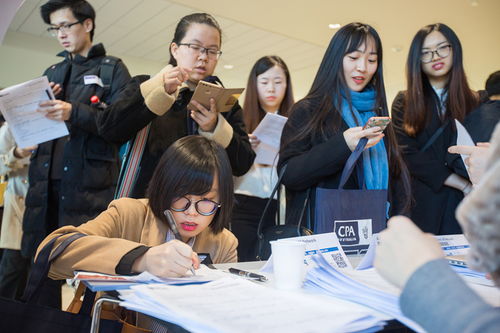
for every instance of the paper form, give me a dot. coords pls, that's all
(463, 139)
(19, 104)
(269, 134)
(327, 244)
(103, 282)
(237, 305)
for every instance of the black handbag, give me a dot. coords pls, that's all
(276, 230)
(27, 316)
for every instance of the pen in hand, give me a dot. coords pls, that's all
(173, 227)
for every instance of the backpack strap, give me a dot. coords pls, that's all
(106, 72)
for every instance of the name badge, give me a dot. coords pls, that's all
(92, 79)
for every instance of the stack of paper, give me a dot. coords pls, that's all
(238, 305)
(327, 279)
(104, 282)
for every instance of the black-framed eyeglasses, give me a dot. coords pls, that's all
(441, 52)
(204, 207)
(211, 52)
(64, 28)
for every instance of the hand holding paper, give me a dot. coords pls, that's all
(475, 160)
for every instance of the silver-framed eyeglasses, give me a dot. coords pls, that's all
(211, 52)
(64, 28)
(204, 207)
(442, 52)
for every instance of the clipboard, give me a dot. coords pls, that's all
(224, 98)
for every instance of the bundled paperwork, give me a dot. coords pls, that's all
(327, 279)
(237, 305)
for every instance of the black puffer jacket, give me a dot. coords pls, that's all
(90, 163)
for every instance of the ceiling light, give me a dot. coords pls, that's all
(474, 3)
(334, 25)
(397, 48)
(228, 66)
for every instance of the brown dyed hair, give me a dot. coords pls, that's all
(252, 111)
(420, 98)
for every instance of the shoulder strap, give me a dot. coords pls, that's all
(352, 161)
(130, 166)
(41, 266)
(106, 72)
(434, 136)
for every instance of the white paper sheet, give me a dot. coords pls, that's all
(102, 282)
(19, 104)
(327, 244)
(236, 305)
(269, 134)
(463, 139)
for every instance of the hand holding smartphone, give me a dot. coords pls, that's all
(381, 122)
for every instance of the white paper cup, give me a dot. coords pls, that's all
(288, 264)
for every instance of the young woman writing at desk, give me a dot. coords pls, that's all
(192, 180)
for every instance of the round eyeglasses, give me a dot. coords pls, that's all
(64, 28)
(204, 207)
(441, 52)
(211, 52)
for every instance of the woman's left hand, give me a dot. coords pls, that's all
(402, 249)
(206, 119)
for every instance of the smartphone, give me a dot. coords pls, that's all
(381, 122)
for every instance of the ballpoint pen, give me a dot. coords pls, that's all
(246, 274)
(173, 227)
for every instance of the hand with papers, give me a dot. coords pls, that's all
(55, 109)
(171, 259)
(475, 159)
(403, 248)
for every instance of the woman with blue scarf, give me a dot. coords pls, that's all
(325, 127)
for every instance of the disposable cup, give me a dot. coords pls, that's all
(288, 264)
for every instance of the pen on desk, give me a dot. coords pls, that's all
(173, 227)
(246, 274)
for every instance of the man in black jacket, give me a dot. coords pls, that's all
(72, 179)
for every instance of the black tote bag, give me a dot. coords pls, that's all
(29, 317)
(276, 230)
(354, 215)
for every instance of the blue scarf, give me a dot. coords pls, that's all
(375, 164)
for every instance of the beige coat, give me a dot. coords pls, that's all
(17, 171)
(125, 225)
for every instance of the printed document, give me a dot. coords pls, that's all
(269, 134)
(463, 139)
(19, 104)
(326, 244)
(237, 305)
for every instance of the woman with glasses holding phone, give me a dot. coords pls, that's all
(423, 115)
(193, 180)
(162, 101)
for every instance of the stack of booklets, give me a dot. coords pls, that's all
(233, 304)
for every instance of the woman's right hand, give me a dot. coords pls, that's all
(354, 134)
(174, 77)
(171, 259)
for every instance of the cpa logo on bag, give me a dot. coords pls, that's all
(353, 232)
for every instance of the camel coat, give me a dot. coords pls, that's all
(125, 225)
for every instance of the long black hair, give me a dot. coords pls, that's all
(325, 98)
(420, 97)
(252, 111)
